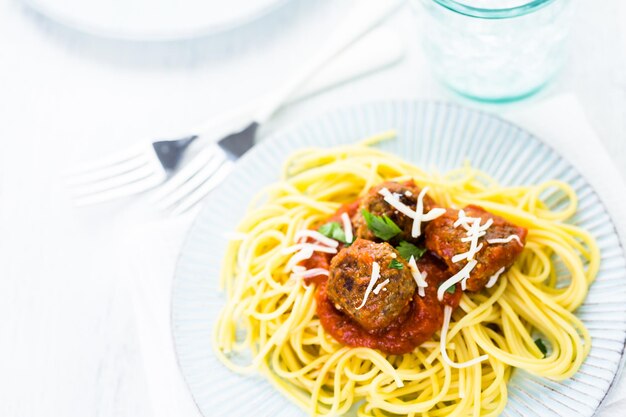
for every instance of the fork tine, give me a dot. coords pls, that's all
(194, 182)
(108, 171)
(109, 183)
(135, 174)
(199, 193)
(111, 159)
(128, 189)
(196, 164)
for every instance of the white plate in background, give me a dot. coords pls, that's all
(153, 20)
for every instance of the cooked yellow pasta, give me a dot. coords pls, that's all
(269, 323)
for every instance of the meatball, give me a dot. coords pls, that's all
(445, 240)
(375, 204)
(423, 318)
(349, 277)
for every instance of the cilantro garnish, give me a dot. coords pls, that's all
(395, 264)
(333, 230)
(407, 250)
(382, 226)
(541, 346)
(451, 289)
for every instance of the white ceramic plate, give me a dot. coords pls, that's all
(431, 135)
(153, 19)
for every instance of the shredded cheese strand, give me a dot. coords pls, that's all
(494, 278)
(463, 274)
(313, 234)
(347, 227)
(447, 314)
(418, 214)
(373, 279)
(394, 202)
(419, 208)
(380, 286)
(461, 218)
(420, 217)
(418, 276)
(308, 273)
(506, 240)
(303, 254)
(469, 255)
(474, 231)
(315, 248)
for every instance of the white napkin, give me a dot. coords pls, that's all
(152, 250)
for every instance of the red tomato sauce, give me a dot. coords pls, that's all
(422, 318)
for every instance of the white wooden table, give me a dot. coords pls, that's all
(68, 344)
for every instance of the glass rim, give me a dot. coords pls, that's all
(486, 13)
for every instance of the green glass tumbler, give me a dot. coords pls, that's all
(495, 50)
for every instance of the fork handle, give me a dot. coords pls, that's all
(376, 52)
(362, 17)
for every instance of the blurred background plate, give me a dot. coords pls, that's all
(154, 20)
(434, 136)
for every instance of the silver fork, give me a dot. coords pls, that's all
(129, 172)
(204, 172)
(149, 165)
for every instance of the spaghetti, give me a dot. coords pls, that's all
(270, 325)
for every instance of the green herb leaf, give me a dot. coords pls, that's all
(395, 264)
(541, 346)
(407, 250)
(451, 289)
(383, 227)
(333, 230)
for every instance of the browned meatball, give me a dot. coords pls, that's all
(445, 240)
(350, 273)
(375, 204)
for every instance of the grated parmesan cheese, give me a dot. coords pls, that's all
(417, 215)
(461, 218)
(313, 234)
(474, 231)
(374, 277)
(469, 255)
(506, 240)
(418, 276)
(315, 248)
(460, 276)
(381, 286)
(394, 202)
(303, 254)
(421, 217)
(494, 278)
(447, 314)
(308, 273)
(347, 227)
(304, 250)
